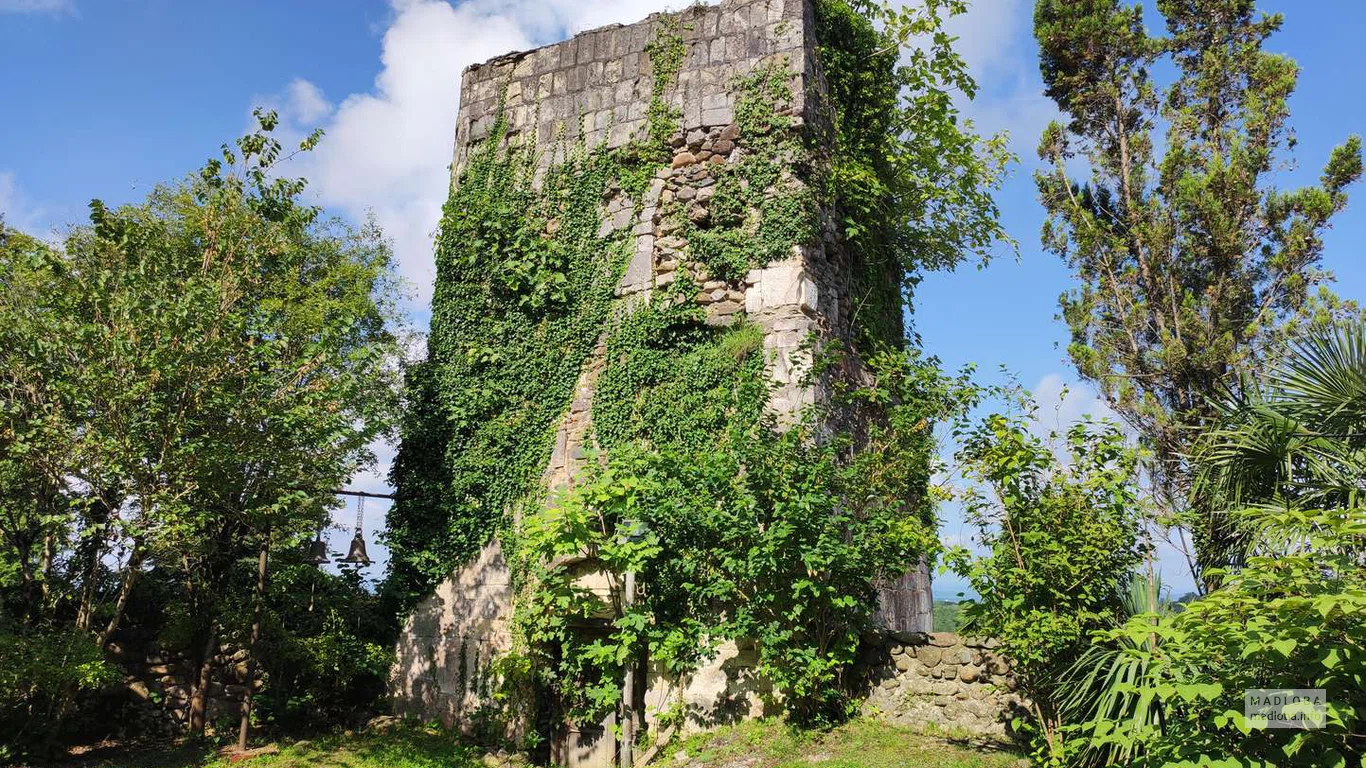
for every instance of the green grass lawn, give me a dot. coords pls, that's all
(398, 749)
(861, 744)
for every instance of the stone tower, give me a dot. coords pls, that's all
(597, 88)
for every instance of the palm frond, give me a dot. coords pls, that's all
(1108, 690)
(1324, 381)
(1296, 440)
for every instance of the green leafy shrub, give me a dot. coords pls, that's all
(1062, 538)
(1285, 620)
(327, 649)
(524, 282)
(41, 673)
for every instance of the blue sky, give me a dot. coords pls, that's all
(103, 98)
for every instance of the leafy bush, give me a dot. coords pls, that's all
(1286, 620)
(1062, 538)
(41, 672)
(327, 650)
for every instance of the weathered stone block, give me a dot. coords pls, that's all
(930, 655)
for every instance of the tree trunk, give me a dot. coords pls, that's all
(255, 637)
(628, 697)
(130, 575)
(90, 552)
(49, 558)
(200, 698)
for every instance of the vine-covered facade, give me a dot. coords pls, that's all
(660, 345)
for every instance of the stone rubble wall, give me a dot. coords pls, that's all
(596, 88)
(165, 679)
(942, 682)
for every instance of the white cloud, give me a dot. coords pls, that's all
(988, 31)
(306, 102)
(9, 198)
(1063, 404)
(994, 39)
(17, 210)
(55, 7)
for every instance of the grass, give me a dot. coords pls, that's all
(402, 748)
(756, 744)
(859, 744)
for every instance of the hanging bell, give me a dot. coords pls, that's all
(357, 555)
(317, 552)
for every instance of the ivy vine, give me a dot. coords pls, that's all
(524, 283)
(763, 204)
(739, 530)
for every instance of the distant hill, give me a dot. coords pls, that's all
(946, 616)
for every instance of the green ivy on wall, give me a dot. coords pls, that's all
(756, 532)
(763, 205)
(524, 283)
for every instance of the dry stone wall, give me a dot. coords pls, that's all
(959, 686)
(165, 680)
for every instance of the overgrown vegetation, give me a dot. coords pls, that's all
(749, 533)
(764, 205)
(755, 532)
(913, 180)
(181, 380)
(1062, 536)
(1193, 265)
(1168, 689)
(524, 283)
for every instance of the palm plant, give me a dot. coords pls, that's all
(1296, 440)
(1284, 471)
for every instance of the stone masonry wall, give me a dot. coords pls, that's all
(165, 680)
(599, 82)
(958, 686)
(596, 88)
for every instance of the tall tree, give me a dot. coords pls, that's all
(186, 379)
(1191, 261)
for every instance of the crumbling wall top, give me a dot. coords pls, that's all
(598, 83)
